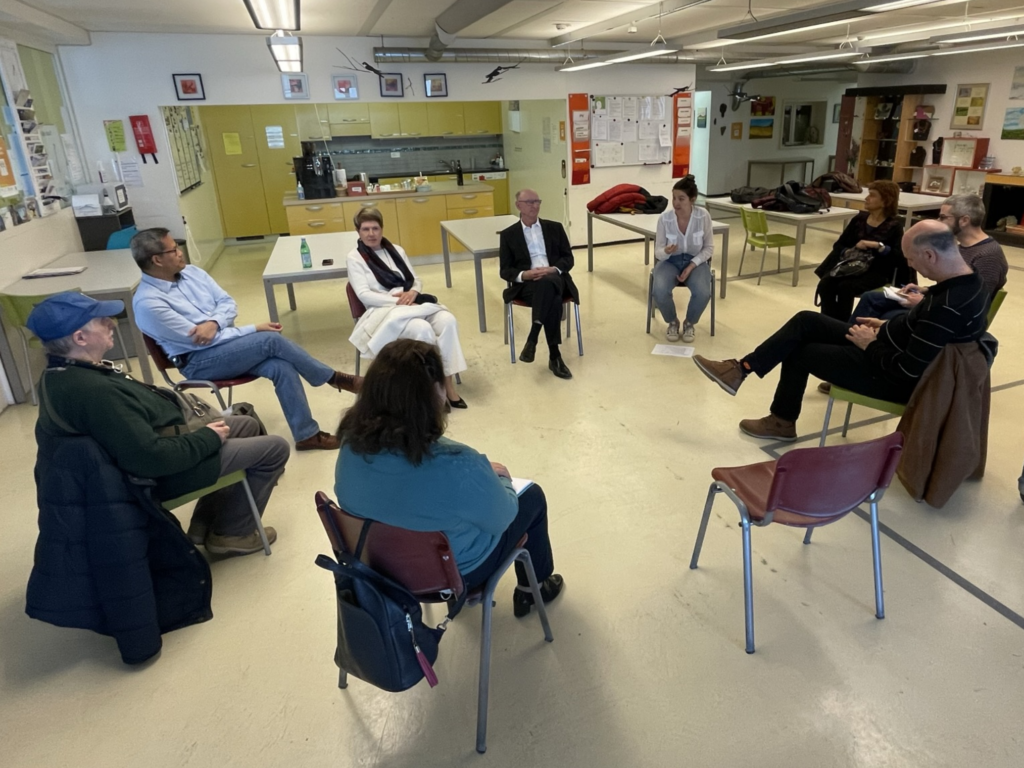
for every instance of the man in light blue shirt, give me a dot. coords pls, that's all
(193, 320)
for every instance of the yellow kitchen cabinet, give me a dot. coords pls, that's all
(314, 217)
(312, 121)
(419, 223)
(236, 169)
(469, 213)
(412, 118)
(277, 142)
(384, 123)
(348, 119)
(482, 117)
(445, 119)
(469, 205)
(387, 210)
(502, 202)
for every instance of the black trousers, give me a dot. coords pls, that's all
(544, 297)
(810, 343)
(837, 293)
(532, 519)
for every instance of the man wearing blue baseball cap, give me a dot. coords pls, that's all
(143, 429)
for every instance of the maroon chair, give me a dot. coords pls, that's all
(164, 364)
(358, 310)
(423, 563)
(510, 329)
(806, 488)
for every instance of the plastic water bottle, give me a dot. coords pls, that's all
(307, 258)
(300, 191)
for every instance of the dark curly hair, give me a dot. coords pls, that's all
(890, 194)
(399, 408)
(687, 185)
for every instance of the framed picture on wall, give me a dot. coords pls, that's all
(435, 85)
(295, 85)
(836, 109)
(189, 87)
(969, 107)
(346, 87)
(391, 86)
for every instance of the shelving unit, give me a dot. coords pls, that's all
(957, 172)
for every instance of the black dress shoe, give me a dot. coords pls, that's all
(460, 403)
(558, 367)
(529, 351)
(550, 588)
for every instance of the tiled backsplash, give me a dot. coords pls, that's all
(361, 154)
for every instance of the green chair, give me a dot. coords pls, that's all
(756, 225)
(896, 409)
(224, 482)
(17, 309)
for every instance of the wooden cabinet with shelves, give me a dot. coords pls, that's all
(386, 208)
(482, 117)
(412, 119)
(419, 223)
(384, 122)
(313, 123)
(445, 119)
(348, 119)
(316, 217)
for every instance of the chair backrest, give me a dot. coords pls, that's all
(122, 238)
(163, 362)
(18, 308)
(993, 308)
(829, 482)
(353, 302)
(754, 221)
(421, 561)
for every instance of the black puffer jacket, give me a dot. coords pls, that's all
(108, 558)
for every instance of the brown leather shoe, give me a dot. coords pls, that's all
(728, 374)
(346, 382)
(770, 427)
(239, 545)
(321, 441)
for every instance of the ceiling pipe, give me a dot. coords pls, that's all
(905, 67)
(504, 56)
(457, 17)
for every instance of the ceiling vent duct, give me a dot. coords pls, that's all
(457, 17)
(502, 56)
(904, 67)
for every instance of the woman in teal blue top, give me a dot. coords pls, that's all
(396, 466)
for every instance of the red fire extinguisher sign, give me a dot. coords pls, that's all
(144, 139)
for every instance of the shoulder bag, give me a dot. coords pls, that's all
(853, 263)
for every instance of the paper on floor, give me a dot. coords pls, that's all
(672, 350)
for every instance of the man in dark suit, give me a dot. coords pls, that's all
(535, 259)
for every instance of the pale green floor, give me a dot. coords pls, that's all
(647, 667)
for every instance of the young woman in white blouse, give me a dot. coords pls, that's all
(683, 247)
(383, 278)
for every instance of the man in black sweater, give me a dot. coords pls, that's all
(872, 357)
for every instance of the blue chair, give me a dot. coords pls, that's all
(122, 238)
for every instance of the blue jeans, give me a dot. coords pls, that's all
(666, 274)
(875, 304)
(273, 357)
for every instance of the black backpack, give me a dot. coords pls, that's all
(791, 197)
(747, 194)
(382, 639)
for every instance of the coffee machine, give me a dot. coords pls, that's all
(315, 171)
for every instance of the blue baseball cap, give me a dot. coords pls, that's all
(62, 314)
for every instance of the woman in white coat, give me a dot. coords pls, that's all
(383, 278)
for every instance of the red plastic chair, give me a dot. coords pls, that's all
(806, 488)
(164, 364)
(423, 563)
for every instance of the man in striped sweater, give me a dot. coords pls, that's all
(876, 358)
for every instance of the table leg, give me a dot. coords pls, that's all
(647, 250)
(268, 289)
(749, 165)
(801, 233)
(590, 242)
(291, 296)
(725, 262)
(909, 220)
(140, 343)
(478, 266)
(447, 258)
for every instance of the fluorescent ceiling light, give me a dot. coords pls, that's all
(980, 48)
(899, 5)
(287, 52)
(894, 57)
(967, 37)
(585, 65)
(657, 50)
(745, 65)
(817, 57)
(274, 14)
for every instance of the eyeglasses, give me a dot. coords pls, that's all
(530, 202)
(175, 249)
(947, 217)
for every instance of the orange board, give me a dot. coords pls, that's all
(579, 135)
(682, 132)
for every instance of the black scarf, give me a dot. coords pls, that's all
(386, 277)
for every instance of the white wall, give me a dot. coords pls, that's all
(127, 74)
(728, 168)
(994, 68)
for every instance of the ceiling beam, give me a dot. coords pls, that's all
(44, 25)
(373, 17)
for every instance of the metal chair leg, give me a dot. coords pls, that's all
(713, 491)
(807, 535)
(650, 300)
(565, 316)
(824, 427)
(531, 576)
(748, 586)
(485, 673)
(359, 358)
(712, 302)
(760, 274)
(579, 329)
(846, 424)
(743, 255)
(256, 516)
(876, 552)
(510, 333)
(342, 678)
(778, 264)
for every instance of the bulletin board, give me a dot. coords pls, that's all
(630, 130)
(183, 135)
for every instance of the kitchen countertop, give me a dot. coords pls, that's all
(436, 188)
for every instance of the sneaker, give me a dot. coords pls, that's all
(522, 599)
(239, 545)
(672, 334)
(728, 374)
(688, 332)
(771, 427)
(825, 388)
(321, 441)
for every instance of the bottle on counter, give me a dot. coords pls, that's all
(108, 204)
(300, 191)
(307, 257)
(458, 173)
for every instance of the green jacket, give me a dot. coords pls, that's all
(123, 416)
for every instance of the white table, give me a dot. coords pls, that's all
(285, 264)
(803, 222)
(107, 275)
(480, 236)
(646, 224)
(911, 202)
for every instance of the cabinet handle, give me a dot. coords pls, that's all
(385, 134)
(412, 134)
(448, 133)
(470, 211)
(316, 223)
(367, 205)
(469, 197)
(248, 165)
(421, 199)
(314, 207)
